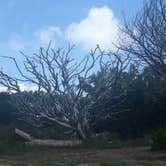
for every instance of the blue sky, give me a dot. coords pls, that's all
(16, 14)
(28, 24)
(20, 19)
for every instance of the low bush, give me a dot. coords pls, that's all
(102, 144)
(8, 140)
(159, 139)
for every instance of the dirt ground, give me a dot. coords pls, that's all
(141, 156)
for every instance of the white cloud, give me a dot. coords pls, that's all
(22, 88)
(100, 27)
(33, 88)
(48, 34)
(3, 89)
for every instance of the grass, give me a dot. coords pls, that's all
(109, 163)
(89, 157)
(112, 164)
(8, 140)
(100, 144)
(162, 158)
(116, 152)
(90, 152)
(113, 144)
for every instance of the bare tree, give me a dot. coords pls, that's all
(62, 83)
(146, 36)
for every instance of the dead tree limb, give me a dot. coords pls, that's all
(146, 37)
(62, 84)
(47, 142)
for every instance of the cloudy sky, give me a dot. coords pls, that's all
(26, 25)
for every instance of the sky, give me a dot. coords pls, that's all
(26, 25)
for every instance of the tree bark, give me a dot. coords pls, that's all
(47, 142)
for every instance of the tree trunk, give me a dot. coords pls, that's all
(47, 142)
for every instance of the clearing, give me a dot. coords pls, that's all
(140, 156)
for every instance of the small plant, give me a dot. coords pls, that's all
(8, 140)
(102, 144)
(105, 163)
(108, 163)
(159, 139)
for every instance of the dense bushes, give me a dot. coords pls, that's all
(8, 140)
(6, 109)
(159, 139)
(46, 132)
(142, 111)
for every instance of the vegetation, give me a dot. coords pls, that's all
(142, 111)
(8, 140)
(91, 157)
(110, 100)
(159, 139)
(65, 94)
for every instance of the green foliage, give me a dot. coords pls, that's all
(101, 144)
(142, 110)
(6, 109)
(109, 163)
(8, 140)
(106, 163)
(114, 143)
(159, 139)
(47, 132)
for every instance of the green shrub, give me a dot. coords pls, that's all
(159, 139)
(47, 132)
(108, 163)
(102, 144)
(8, 139)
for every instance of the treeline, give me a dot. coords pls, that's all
(141, 110)
(120, 92)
